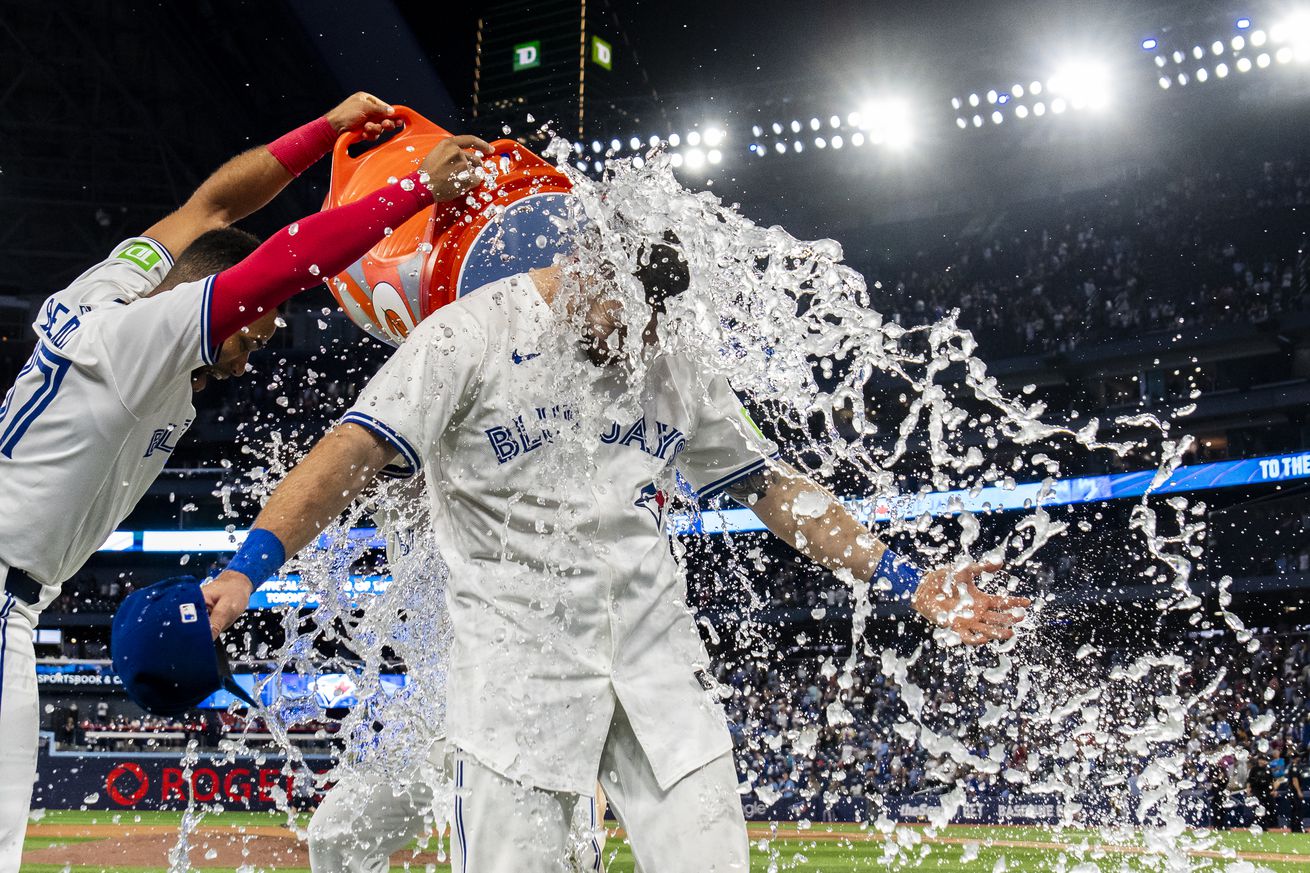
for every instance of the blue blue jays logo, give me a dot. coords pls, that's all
(159, 439)
(652, 500)
(524, 435)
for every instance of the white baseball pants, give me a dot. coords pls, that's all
(501, 826)
(18, 727)
(362, 822)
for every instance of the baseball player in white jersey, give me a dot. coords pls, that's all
(95, 413)
(372, 811)
(367, 817)
(574, 657)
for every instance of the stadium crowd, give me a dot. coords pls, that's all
(1245, 746)
(123, 732)
(1245, 742)
(1167, 251)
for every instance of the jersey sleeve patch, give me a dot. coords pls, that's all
(716, 487)
(398, 442)
(145, 254)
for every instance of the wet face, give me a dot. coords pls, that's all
(605, 332)
(234, 354)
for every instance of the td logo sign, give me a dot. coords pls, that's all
(602, 53)
(527, 55)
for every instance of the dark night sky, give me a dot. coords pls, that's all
(700, 48)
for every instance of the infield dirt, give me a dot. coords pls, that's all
(111, 846)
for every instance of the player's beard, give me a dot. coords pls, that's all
(603, 332)
(605, 336)
(604, 351)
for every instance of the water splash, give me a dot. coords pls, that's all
(398, 626)
(791, 327)
(900, 411)
(179, 855)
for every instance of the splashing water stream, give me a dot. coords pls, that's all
(791, 327)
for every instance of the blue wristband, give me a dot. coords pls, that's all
(259, 557)
(897, 575)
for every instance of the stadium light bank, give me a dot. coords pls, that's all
(1081, 84)
(1248, 49)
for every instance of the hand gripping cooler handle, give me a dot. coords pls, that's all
(344, 165)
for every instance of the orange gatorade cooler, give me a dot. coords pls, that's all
(501, 228)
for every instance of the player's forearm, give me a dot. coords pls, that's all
(303, 255)
(815, 522)
(314, 493)
(251, 180)
(321, 486)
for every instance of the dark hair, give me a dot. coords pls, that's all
(662, 271)
(212, 252)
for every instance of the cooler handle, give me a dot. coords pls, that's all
(413, 124)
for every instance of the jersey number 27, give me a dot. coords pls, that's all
(38, 382)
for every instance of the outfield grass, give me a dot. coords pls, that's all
(823, 848)
(235, 818)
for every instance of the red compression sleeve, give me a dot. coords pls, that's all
(309, 253)
(302, 147)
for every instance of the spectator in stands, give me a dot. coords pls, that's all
(1094, 268)
(1300, 784)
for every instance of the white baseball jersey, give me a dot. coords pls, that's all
(98, 409)
(563, 593)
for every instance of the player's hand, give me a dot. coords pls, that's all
(226, 597)
(950, 598)
(364, 113)
(454, 166)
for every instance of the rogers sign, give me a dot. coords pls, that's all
(128, 784)
(158, 782)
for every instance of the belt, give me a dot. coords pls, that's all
(23, 586)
